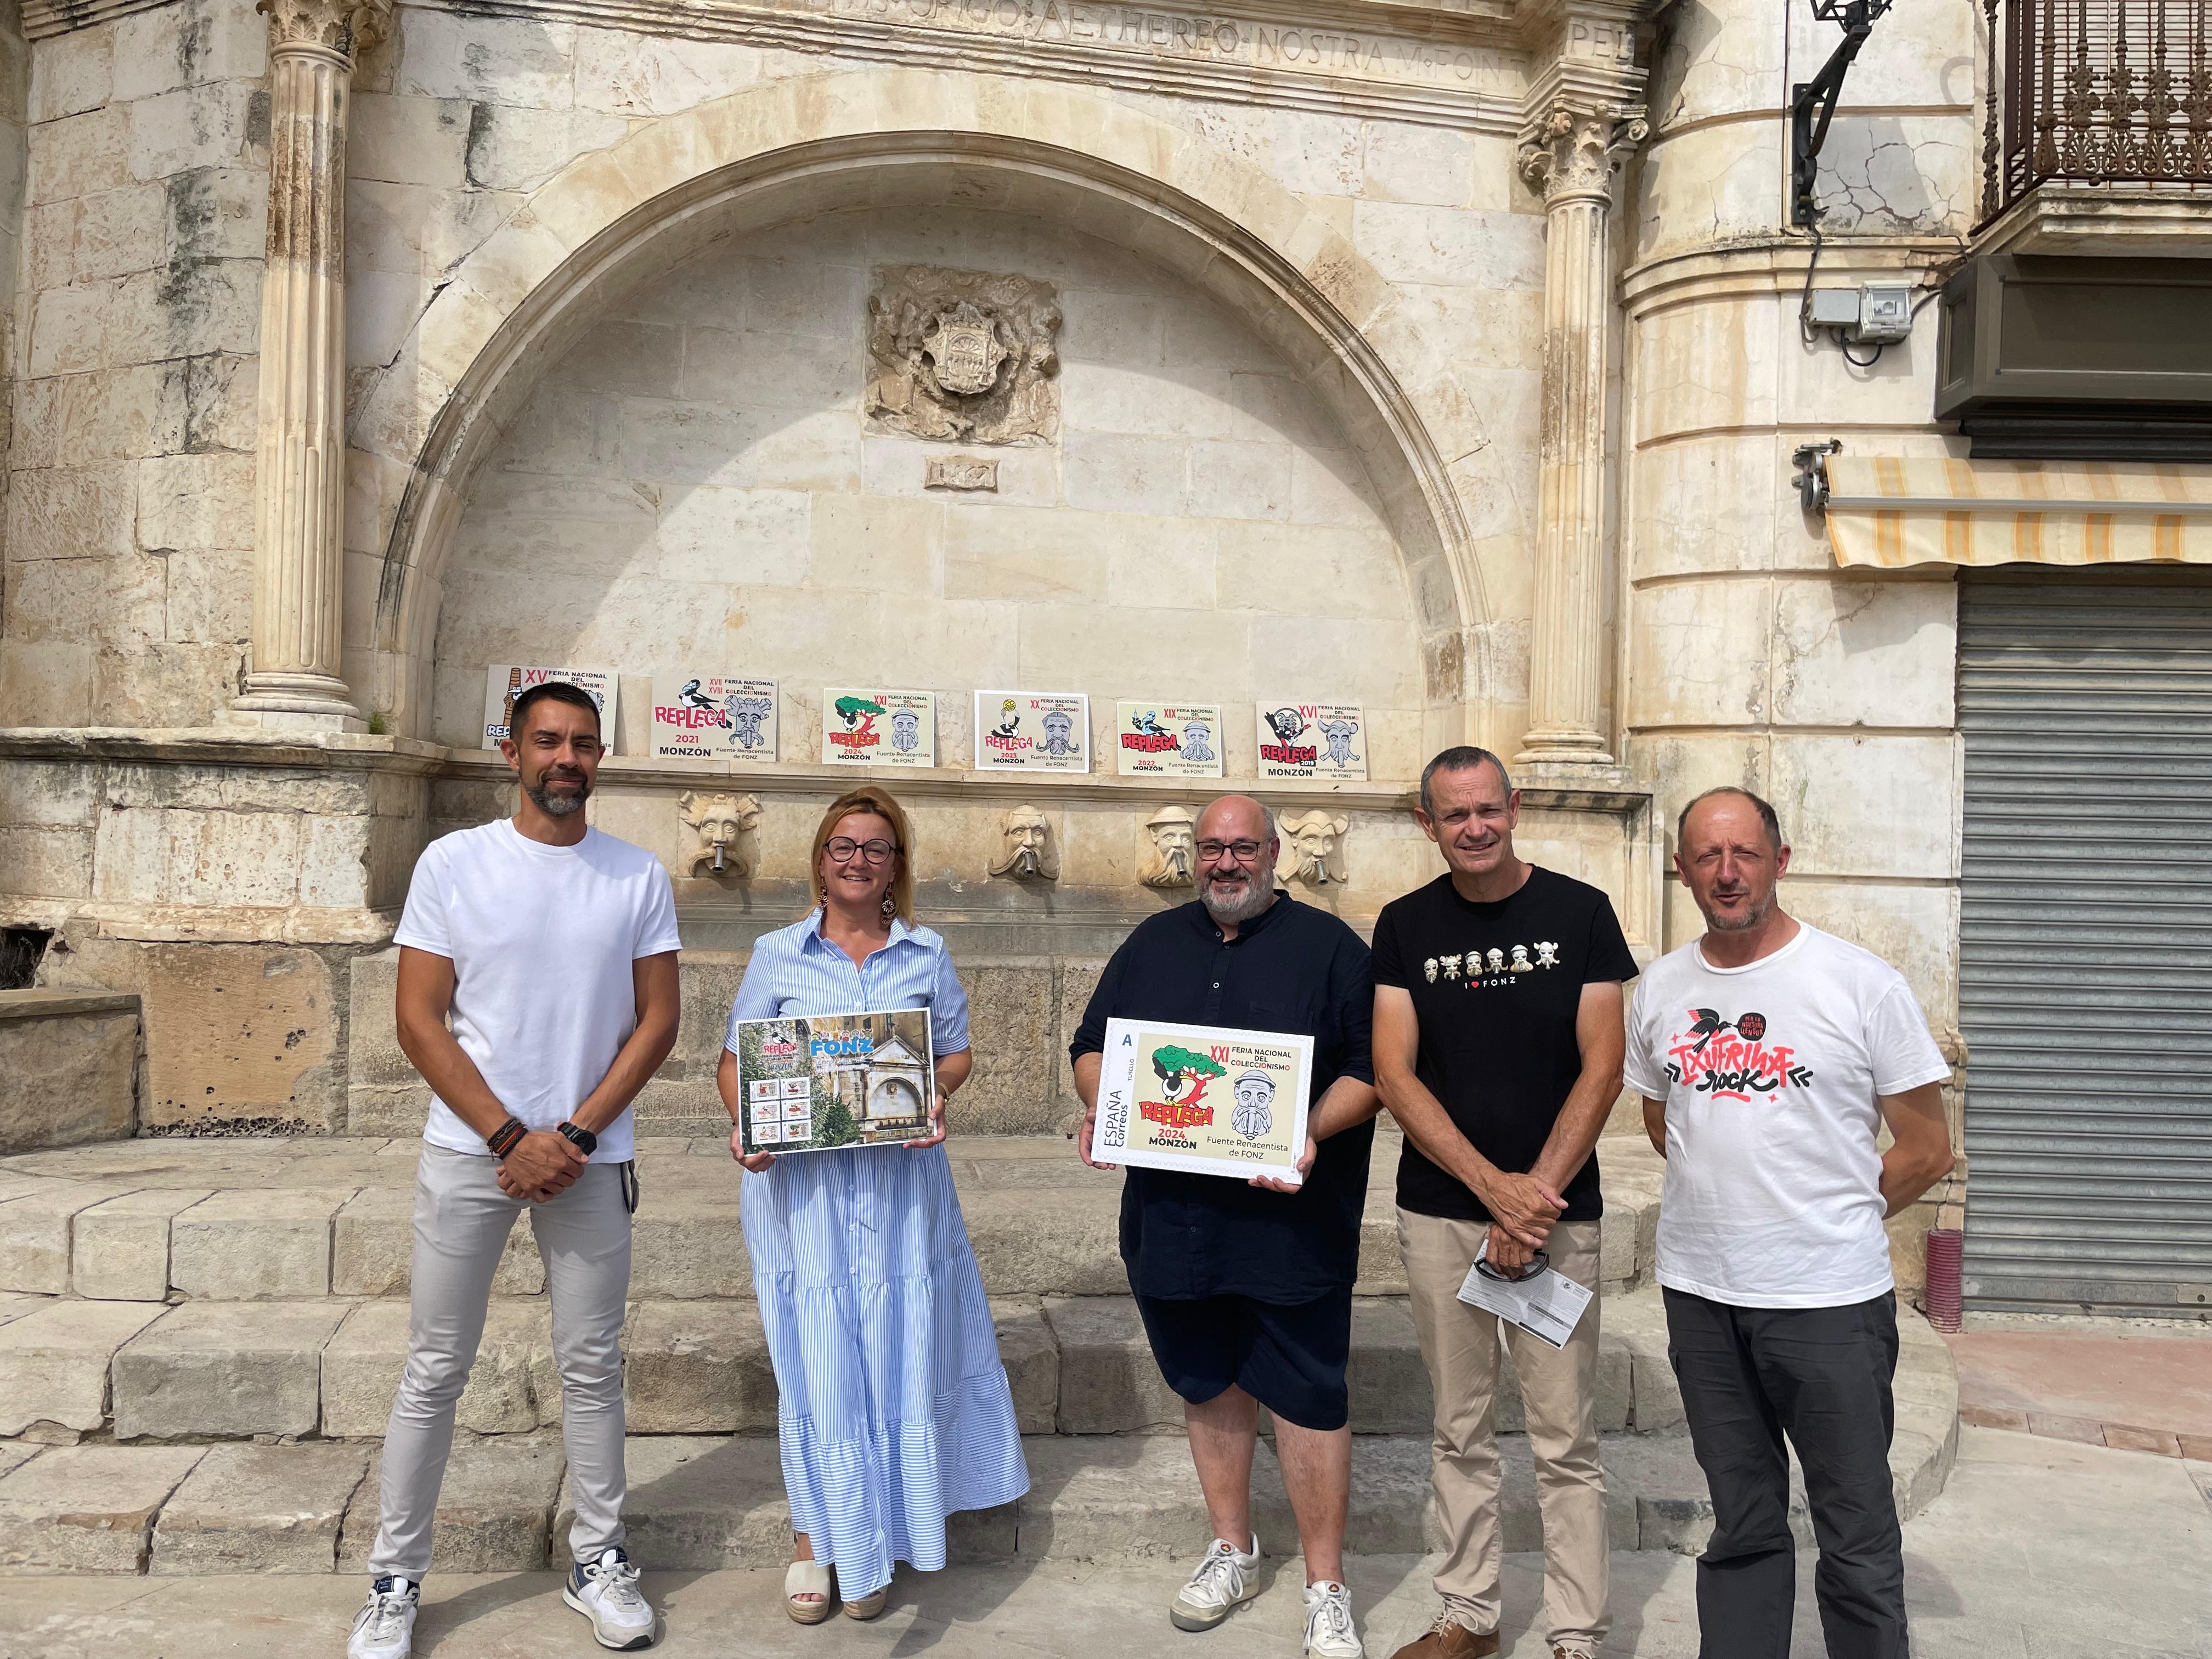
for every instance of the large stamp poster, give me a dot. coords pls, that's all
(1167, 739)
(1323, 742)
(713, 717)
(505, 682)
(1032, 731)
(878, 728)
(829, 1080)
(1203, 1100)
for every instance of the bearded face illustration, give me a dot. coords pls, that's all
(1255, 1099)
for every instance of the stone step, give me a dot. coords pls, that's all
(1077, 1365)
(289, 1219)
(703, 1502)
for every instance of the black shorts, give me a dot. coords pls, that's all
(1290, 1357)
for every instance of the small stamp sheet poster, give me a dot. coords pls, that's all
(505, 682)
(878, 728)
(713, 717)
(1323, 742)
(1167, 739)
(1203, 1100)
(1032, 731)
(835, 1080)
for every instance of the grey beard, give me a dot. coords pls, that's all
(1259, 894)
(557, 806)
(1751, 918)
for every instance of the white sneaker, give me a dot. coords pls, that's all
(605, 1592)
(1328, 1622)
(1224, 1580)
(384, 1626)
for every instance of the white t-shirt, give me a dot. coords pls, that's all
(1773, 1193)
(541, 939)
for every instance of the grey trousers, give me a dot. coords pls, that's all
(461, 1223)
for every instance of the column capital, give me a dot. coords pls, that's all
(1569, 151)
(348, 27)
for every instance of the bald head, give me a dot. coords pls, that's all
(1235, 817)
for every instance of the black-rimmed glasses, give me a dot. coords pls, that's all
(1244, 851)
(842, 847)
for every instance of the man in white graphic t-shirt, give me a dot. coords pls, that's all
(1769, 1055)
(538, 993)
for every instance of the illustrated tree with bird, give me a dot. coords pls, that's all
(858, 714)
(1175, 1067)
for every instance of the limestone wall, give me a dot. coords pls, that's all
(1750, 657)
(130, 508)
(695, 487)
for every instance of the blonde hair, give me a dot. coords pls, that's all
(878, 803)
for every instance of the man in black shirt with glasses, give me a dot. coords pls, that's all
(1246, 1288)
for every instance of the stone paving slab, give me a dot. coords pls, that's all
(120, 1250)
(495, 1509)
(2018, 1561)
(2105, 1382)
(88, 1509)
(54, 1361)
(258, 1509)
(256, 1246)
(1032, 1357)
(34, 1233)
(225, 1368)
(1041, 1223)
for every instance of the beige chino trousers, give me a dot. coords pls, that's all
(1558, 1396)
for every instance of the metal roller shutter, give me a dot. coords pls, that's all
(2085, 988)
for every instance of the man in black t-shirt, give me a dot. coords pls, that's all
(1498, 1045)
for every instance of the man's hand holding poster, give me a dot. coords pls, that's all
(1203, 1100)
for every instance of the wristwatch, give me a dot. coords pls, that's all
(582, 1140)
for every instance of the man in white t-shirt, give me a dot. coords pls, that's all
(551, 949)
(1769, 1055)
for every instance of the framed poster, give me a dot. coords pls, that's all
(1032, 731)
(713, 717)
(1203, 1100)
(806, 1085)
(1323, 742)
(505, 682)
(1167, 739)
(878, 728)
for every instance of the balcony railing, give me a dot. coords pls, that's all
(2096, 92)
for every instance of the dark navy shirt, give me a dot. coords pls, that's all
(1293, 969)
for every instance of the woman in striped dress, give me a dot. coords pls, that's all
(895, 1411)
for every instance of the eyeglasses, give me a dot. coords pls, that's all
(842, 847)
(1243, 851)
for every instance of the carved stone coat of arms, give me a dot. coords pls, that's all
(968, 356)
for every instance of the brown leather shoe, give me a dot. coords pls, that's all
(1450, 1640)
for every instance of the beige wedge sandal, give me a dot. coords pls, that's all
(807, 1578)
(868, 1606)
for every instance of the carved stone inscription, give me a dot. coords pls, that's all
(964, 355)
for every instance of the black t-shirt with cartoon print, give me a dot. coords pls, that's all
(1496, 987)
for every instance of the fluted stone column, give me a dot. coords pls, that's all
(1571, 155)
(300, 488)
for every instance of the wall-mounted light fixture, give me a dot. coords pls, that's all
(1812, 103)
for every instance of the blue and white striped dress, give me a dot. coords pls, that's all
(894, 1410)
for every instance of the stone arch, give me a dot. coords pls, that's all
(817, 143)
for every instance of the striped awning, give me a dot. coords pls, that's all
(1888, 511)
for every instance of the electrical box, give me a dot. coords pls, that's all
(1885, 314)
(1834, 307)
